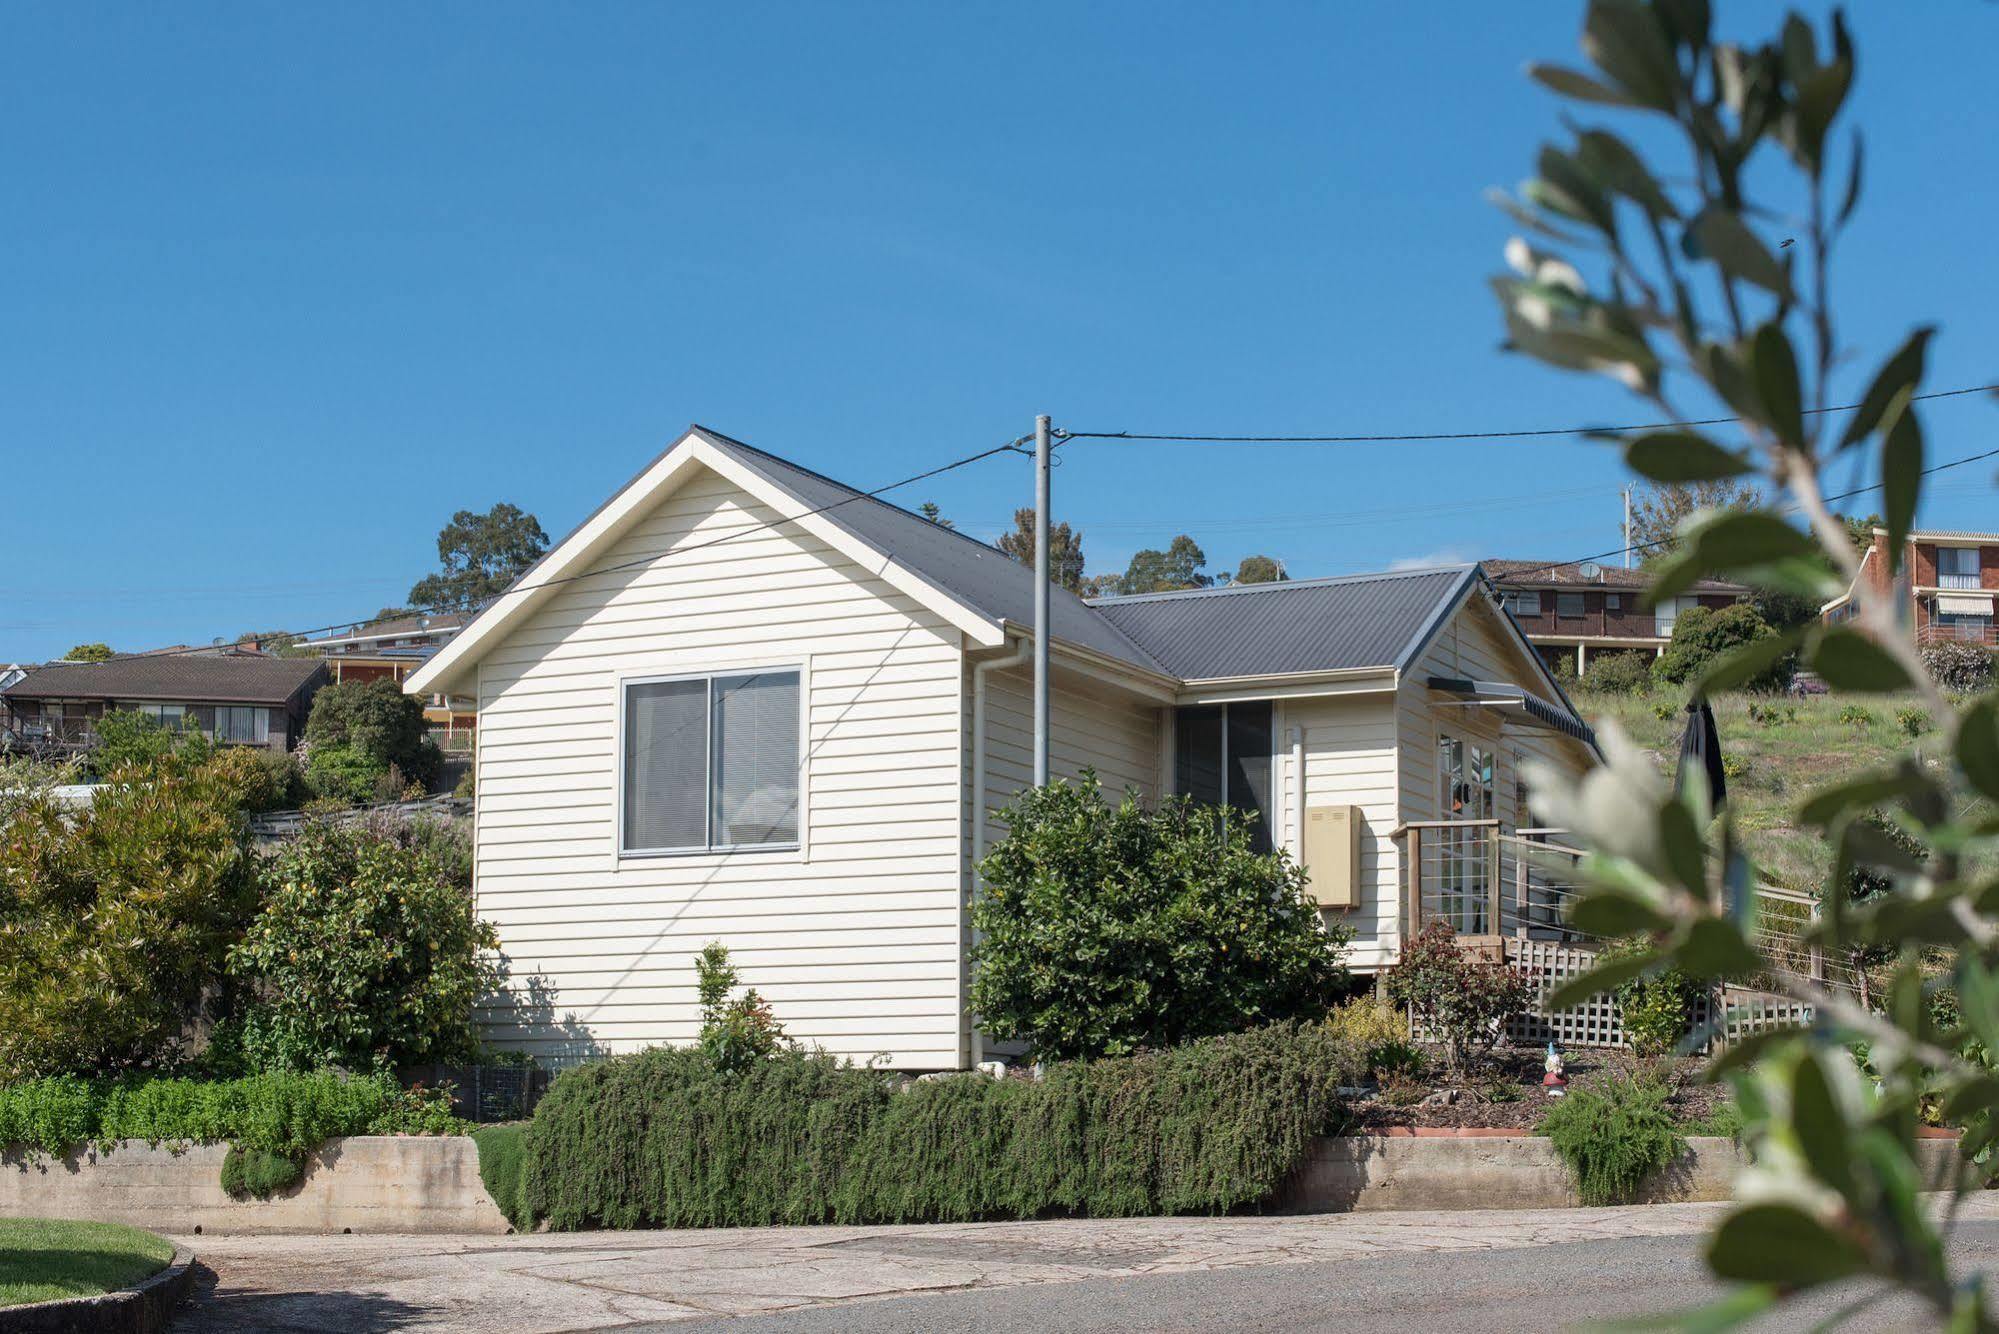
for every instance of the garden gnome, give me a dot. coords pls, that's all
(1553, 1081)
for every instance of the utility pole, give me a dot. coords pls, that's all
(1041, 470)
(1627, 527)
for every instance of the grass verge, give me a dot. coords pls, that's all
(44, 1259)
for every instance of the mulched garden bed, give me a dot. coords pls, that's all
(1510, 1096)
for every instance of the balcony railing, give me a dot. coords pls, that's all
(46, 735)
(1976, 632)
(1487, 883)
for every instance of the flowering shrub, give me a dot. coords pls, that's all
(1456, 997)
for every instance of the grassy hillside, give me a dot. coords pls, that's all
(1774, 763)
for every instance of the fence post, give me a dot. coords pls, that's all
(1495, 895)
(1415, 879)
(1522, 893)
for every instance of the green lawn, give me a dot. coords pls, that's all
(1780, 762)
(42, 1259)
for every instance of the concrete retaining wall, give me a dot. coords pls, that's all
(379, 1184)
(365, 1183)
(1367, 1172)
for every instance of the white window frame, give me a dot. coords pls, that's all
(1958, 580)
(1667, 611)
(708, 674)
(1524, 602)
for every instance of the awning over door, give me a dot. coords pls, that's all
(1508, 698)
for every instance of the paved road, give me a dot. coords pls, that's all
(1488, 1270)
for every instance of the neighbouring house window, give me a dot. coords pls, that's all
(1974, 629)
(1667, 611)
(1611, 602)
(242, 724)
(1524, 603)
(1221, 756)
(711, 762)
(169, 716)
(1957, 567)
(1569, 606)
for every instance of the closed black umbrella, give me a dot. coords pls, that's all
(1700, 754)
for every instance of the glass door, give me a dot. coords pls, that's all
(1463, 862)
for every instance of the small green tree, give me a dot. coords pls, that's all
(1177, 567)
(1260, 570)
(126, 738)
(1456, 996)
(736, 1031)
(90, 653)
(1065, 549)
(358, 730)
(481, 554)
(1703, 635)
(1106, 928)
(366, 952)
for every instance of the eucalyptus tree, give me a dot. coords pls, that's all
(1699, 274)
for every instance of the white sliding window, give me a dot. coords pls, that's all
(711, 762)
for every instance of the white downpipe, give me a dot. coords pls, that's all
(1017, 658)
(1298, 792)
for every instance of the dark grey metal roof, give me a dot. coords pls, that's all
(1306, 625)
(191, 678)
(979, 575)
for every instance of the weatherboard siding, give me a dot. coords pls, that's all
(1350, 760)
(854, 936)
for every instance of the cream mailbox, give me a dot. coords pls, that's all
(1332, 855)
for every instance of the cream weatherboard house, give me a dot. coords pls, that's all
(744, 703)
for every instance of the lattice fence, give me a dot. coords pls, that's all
(1597, 1022)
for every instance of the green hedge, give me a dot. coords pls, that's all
(662, 1138)
(502, 1155)
(284, 1114)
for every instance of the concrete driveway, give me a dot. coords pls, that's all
(946, 1276)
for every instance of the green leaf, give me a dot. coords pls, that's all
(1624, 40)
(1687, 21)
(1751, 1050)
(1724, 238)
(1685, 851)
(1712, 947)
(1738, 1308)
(1820, 1125)
(1616, 167)
(1719, 543)
(1565, 188)
(1776, 369)
(1574, 83)
(1684, 456)
(1613, 913)
(1852, 200)
(1730, 670)
(1780, 1243)
(1850, 660)
(1901, 371)
(1978, 746)
(1604, 977)
(1901, 473)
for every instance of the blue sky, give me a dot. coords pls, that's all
(285, 286)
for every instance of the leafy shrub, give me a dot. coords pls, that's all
(1962, 667)
(1665, 712)
(1702, 634)
(126, 738)
(258, 1172)
(344, 773)
(1455, 996)
(1367, 1023)
(1853, 715)
(1396, 1058)
(290, 1115)
(1772, 715)
(1734, 765)
(366, 952)
(662, 1138)
(1619, 674)
(1614, 1134)
(735, 1032)
(1913, 722)
(502, 1158)
(116, 917)
(1656, 1010)
(377, 726)
(1105, 928)
(263, 780)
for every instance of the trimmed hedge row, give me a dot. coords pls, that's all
(288, 1115)
(662, 1138)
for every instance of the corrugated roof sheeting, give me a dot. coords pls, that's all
(1317, 625)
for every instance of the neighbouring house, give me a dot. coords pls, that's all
(238, 699)
(1944, 588)
(10, 672)
(1576, 611)
(392, 649)
(745, 703)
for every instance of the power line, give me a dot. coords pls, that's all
(1160, 438)
(1660, 542)
(1011, 446)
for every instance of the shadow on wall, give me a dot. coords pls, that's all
(538, 1026)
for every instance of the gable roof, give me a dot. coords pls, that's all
(1347, 623)
(191, 678)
